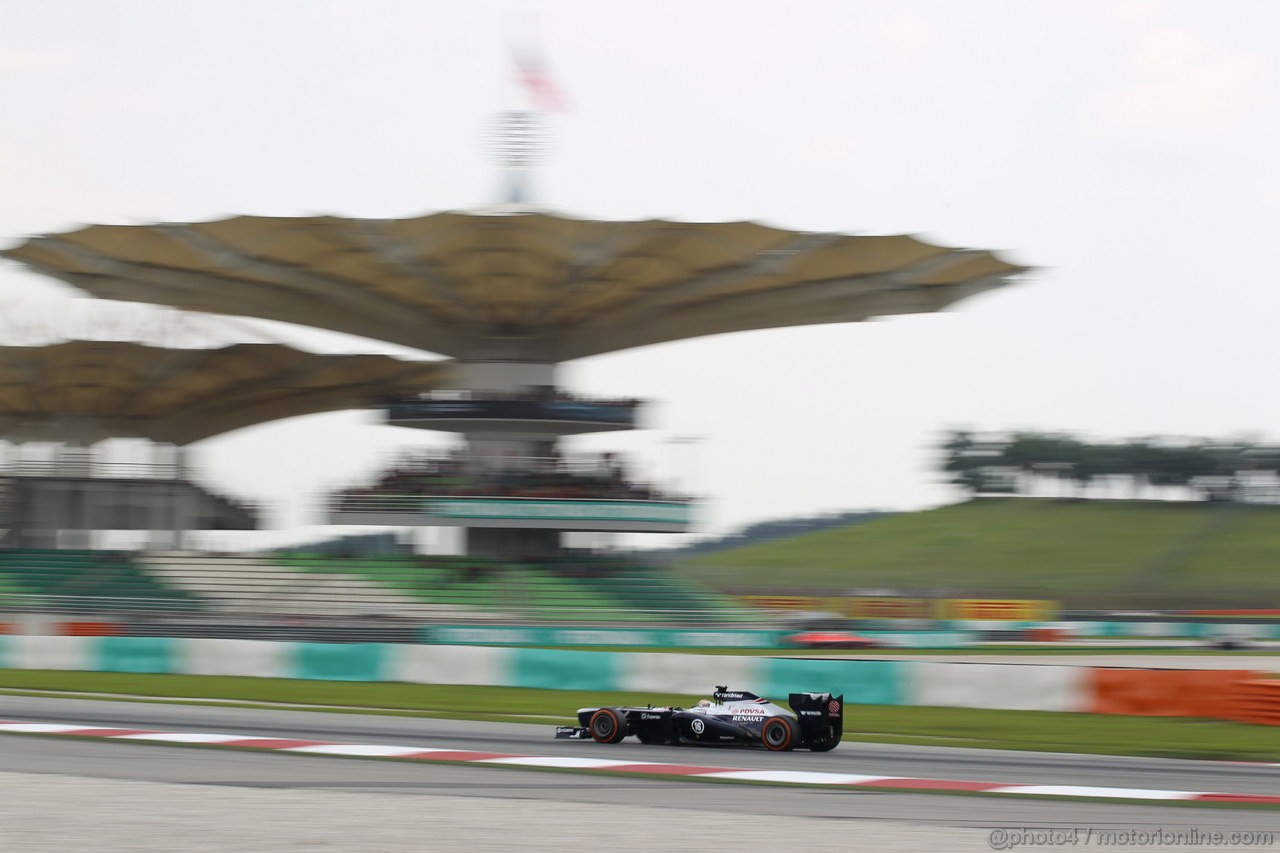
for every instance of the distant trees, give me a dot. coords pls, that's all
(1061, 465)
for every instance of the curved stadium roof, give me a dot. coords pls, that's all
(529, 285)
(90, 390)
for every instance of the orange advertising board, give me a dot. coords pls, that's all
(866, 607)
(898, 607)
(785, 602)
(989, 610)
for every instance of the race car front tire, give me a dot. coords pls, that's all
(779, 734)
(607, 726)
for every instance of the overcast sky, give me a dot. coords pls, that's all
(1126, 149)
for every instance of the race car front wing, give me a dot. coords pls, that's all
(573, 733)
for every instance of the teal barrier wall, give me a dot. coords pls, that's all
(517, 635)
(1175, 630)
(863, 682)
(561, 670)
(869, 682)
(485, 635)
(573, 510)
(924, 639)
(339, 661)
(975, 626)
(136, 654)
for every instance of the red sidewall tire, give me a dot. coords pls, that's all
(607, 726)
(776, 740)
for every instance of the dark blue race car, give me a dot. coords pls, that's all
(815, 721)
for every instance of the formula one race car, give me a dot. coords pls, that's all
(731, 717)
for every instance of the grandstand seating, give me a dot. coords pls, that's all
(469, 582)
(587, 588)
(531, 477)
(553, 597)
(11, 590)
(645, 588)
(408, 576)
(110, 579)
(578, 588)
(259, 586)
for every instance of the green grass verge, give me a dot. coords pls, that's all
(459, 700)
(1028, 730)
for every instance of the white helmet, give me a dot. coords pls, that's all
(704, 703)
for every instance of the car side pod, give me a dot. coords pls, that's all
(821, 719)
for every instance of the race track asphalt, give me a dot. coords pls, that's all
(137, 761)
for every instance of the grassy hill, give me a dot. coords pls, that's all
(1136, 554)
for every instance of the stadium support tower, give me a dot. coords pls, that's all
(512, 489)
(511, 293)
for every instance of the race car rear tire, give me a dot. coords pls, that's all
(779, 734)
(607, 726)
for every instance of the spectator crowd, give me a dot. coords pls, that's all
(527, 477)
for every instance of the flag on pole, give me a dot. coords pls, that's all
(533, 74)
(522, 36)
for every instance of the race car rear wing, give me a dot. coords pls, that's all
(817, 713)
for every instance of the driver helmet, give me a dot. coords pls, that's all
(704, 703)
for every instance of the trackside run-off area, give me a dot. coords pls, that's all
(230, 819)
(700, 772)
(1106, 734)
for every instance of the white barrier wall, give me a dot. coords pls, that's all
(1024, 687)
(1013, 687)
(46, 652)
(253, 658)
(673, 673)
(475, 665)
